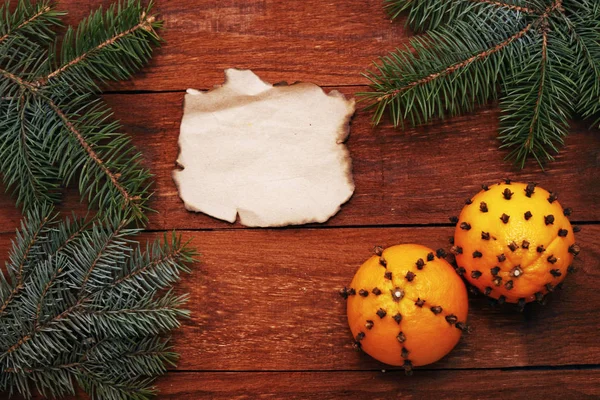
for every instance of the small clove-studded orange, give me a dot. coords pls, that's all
(406, 306)
(514, 242)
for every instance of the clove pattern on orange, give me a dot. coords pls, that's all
(514, 242)
(406, 306)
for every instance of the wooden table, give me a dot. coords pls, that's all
(267, 321)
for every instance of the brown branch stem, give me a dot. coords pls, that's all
(145, 23)
(457, 66)
(28, 21)
(114, 177)
(99, 255)
(500, 4)
(19, 286)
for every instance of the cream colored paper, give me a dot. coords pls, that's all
(272, 154)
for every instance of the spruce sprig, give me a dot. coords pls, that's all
(53, 128)
(543, 56)
(82, 303)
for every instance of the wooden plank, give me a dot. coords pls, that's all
(329, 43)
(464, 385)
(420, 176)
(267, 300)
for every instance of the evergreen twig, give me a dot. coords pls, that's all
(545, 54)
(53, 129)
(83, 304)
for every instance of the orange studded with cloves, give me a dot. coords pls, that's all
(514, 242)
(406, 306)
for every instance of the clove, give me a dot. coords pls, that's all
(551, 259)
(525, 244)
(567, 211)
(451, 319)
(456, 250)
(410, 276)
(462, 327)
(553, 197)
(549, 219)
(507, 181)
(509, 285)
(344, 292)
(485, 187)
(388, 275)
(530, 189)
(495, 270)
(454, 219)
(528, 215)
(440, 253)
(516, 271)
(382, 261)
(485, 235)
(477, 254)
(513, 246)
(430, 255)
(420, 264)
(487, 291)
(404, 352)
(436, 310)
(497, 281)
(397, 294)
(408, 368)
(549, 287)
(505, 218)
(376, 291)
(571, 269)
(563, 232)
(397, 318)
(576, 228)
(555, 272)
(461, 271)
(521, 304)
(381, 313)
(360, 336)
(540, 248)
(507, 194)
(378, 250)
(468, 201)
(574, 249)
(363, 293)
(476, 274)
(401, 337)
(419, 302)
(351, 292)
(501, 299)
(483, 207)
(369, 324)
(501, 258)
(465, 226)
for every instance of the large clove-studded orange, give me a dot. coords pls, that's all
(514, 242)
(406, 306)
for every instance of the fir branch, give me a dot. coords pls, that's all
(544, 54)
(56, 130)
(67, 324)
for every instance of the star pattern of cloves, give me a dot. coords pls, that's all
(399, 289)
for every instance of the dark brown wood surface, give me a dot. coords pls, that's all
(267, 321)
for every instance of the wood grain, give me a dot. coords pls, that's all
(267, 300)
(421, 176)
(329, 43)
(439, 385)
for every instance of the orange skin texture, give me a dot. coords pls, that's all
(535, 265)
(429, 337)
